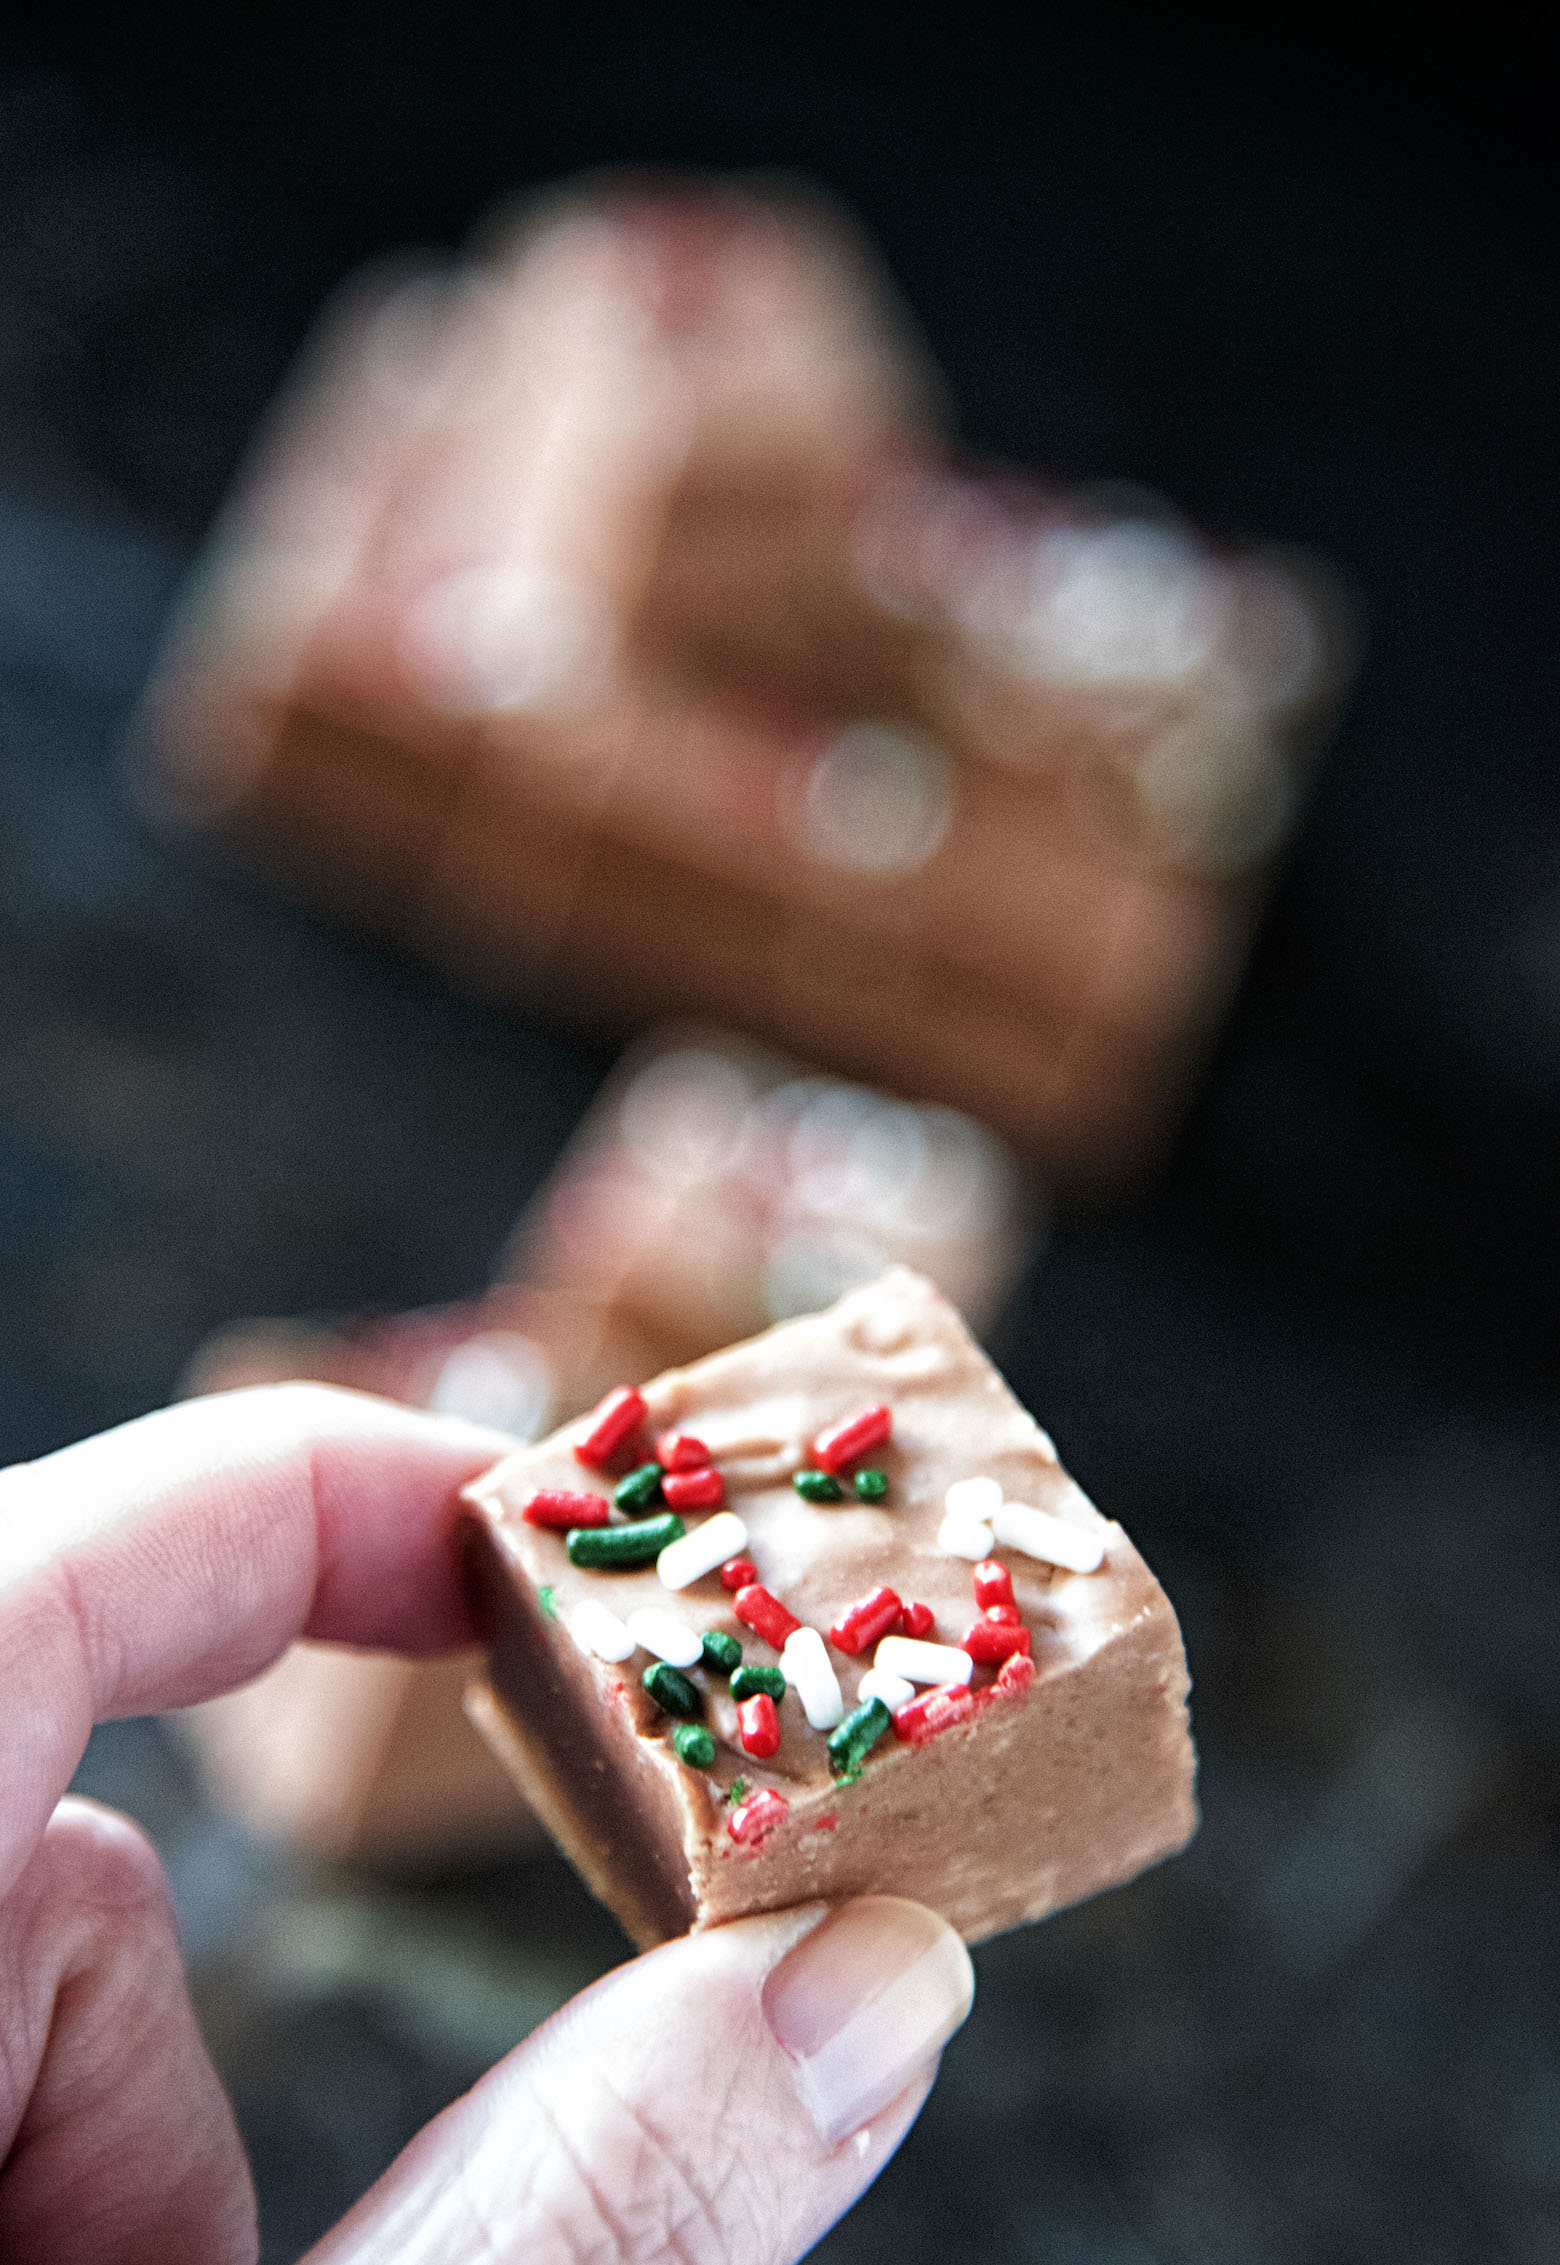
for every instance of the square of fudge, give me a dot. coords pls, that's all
(892, 1516)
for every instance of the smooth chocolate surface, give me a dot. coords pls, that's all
(1044, 1795)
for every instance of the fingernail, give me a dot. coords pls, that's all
(863, 2003)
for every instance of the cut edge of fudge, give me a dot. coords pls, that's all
(1065, 1770)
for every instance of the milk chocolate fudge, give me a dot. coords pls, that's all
(823, 1615)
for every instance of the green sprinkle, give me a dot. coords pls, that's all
(749, 1681)
(548, 1600)
(736, 1789)
(610, 1548)
(871, 1486)
(721, 1652)
(692, 1743)
(636, 1493)
(671, 1689)
(817, 1486)
(855, 1738)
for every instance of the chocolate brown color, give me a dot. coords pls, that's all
(1042, 1798)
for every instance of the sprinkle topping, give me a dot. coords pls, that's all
(806, 1664)
(817, 1486)
(620, 1415)
(683, 1562)
(557, 1507)
(990, 1642)
(681, 1451)
(599, 1631)
(895, 1691)
(937, 1710)
(634, 1495)
(766, 1615)
(1055, 1541)
(671, 1689)
(969, 1507)
(612, 1548)
(923, 1663)
(722, 1653)
(976, 1499)
(855, 1738)
(759, 1726)
(845, 1443)
(753, 1819)
(872, 1616)
(748, 1682)
(993, 1583)
(664, 1634)
(738, 1573)
(692, 1743)
(694, 1490)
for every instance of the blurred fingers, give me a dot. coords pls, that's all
(177, 1556)
(117, 2140)
(721, 2101)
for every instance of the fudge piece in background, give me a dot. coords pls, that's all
(610, 620)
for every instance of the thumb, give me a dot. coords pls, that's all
(720, 2101)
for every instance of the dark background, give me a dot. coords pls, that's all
(1305, 282)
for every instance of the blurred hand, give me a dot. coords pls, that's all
(724, 2098)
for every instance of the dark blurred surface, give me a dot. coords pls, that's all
(1313, 1370)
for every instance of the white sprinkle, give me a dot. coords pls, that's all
(597, 1630)
(977, 1501)
(965, 1537)
(894, 1691)
(817, 1686)
(922, 1663)
(664, 1634)
(683, 1562)
(1055, 1541)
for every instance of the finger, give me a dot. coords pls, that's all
(117, 2140)
(176, 1557)
(721, 2101)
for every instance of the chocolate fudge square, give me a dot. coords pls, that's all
(822, 1615)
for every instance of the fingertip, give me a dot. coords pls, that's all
(863, 2002)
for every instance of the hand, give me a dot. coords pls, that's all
(724, 2098)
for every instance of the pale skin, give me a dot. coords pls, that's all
(172, 1560)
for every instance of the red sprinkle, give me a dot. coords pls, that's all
(620, 1413)
(760, 1726)
(1003, 1615)
(680, 1451)
(693, 1490)
(847, 1442)
(825, 1824)
(993, 1582)
(873, 1616)
(990, 1642)
(737, 1572)
(1017, 1675)
(758, 1815)
(557, 1508)
(765, 1615)
(920, 1719)
(917, 1620)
